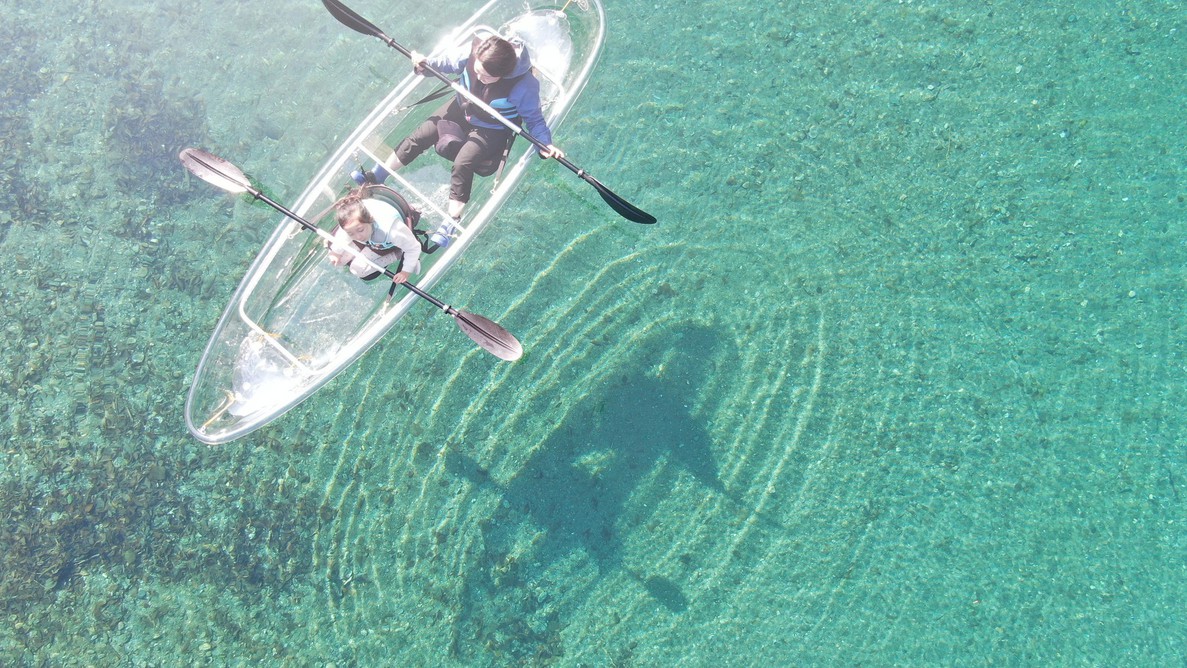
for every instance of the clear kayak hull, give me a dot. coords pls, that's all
(296, 320)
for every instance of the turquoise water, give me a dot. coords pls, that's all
(893, 381)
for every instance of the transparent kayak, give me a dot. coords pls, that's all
(296, 320)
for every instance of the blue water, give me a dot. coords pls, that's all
(894, 381)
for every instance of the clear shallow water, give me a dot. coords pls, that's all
(894, 380)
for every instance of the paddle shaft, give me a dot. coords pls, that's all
(463, 91)
(352, 250)
(218, 172)
(352, 20)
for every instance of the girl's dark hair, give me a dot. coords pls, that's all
(350, 208)
(497, 55)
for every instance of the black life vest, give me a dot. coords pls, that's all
(494, 94)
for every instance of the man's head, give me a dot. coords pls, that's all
(495, 58)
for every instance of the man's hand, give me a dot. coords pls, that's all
(418, 61)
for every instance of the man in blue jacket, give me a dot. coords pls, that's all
(498, 73)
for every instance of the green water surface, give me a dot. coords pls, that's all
(892, 382)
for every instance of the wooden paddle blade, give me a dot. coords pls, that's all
(489, 336)
(214, 170)
(349, 18)
(623, 207)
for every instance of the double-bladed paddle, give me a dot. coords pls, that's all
(222, 174)
(349, 18)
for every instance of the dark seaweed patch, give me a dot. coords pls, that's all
(20, 81)
(146, 130)
(666, 593)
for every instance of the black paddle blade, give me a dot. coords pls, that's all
(623, 207)
(349, 18)
(489, 336)
(214, 170)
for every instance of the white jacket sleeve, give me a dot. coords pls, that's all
(409, 245)
(397, 232)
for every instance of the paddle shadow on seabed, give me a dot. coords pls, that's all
(577, 493)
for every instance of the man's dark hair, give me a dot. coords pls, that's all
(497, 55)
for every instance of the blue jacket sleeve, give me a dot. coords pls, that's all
(451, 62)
(525, 96)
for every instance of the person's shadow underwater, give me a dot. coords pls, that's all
(577, 488)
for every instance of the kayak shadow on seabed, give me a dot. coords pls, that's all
(579, 488)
